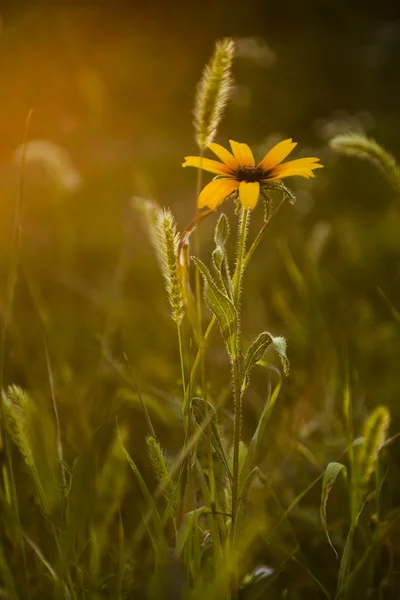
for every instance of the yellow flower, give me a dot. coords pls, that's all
(238, 171)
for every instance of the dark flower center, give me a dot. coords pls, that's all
(250, 174)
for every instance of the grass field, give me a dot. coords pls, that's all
(199, 401)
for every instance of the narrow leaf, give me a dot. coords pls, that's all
(220, 257)
(331, 473)
(348, 583)
(221, 306)
(258, 436)
(221, 266)
(345, 563)
(145, 491)
(204, 411)
(188, 526)
(221, 233)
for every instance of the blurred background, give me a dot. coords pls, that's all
(112, 86)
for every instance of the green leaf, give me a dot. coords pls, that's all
(220, 257)
(345, 563)
(189, 524)
(221, 266)
(348, 581)
(204, 411)
(222, 307)
(148, 497)
(221, 233)
(331, 473)
(255, 354)
(280, 346)
(258, 436)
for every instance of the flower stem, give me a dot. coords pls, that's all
(244, 217)
(237, 396)
(237, 364)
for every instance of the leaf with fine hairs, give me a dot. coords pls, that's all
(254, 355)
(222, 307)
(220, 256)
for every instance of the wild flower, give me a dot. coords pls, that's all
(238, 172)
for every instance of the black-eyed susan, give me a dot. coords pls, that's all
(238, 172)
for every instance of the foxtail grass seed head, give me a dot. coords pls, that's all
(213, 91)
(160, 465)
(356, 144)
(168, 244)
(16, 405)
(55, 161)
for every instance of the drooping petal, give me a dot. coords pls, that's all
(277, 154)
(224, 155)
(303, 167)
(215, 192)
(243, 154)
(213, 166)
(248, 193)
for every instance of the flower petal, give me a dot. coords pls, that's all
(277, 154)
(215, 192)
(306, 173)
(224, 155)
(248, 193)
(213, 166)
(243, 154)
(301, 166)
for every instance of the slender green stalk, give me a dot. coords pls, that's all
(178, 328)
(237, 429)
(236, 364)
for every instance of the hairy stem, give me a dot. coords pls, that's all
(237, 364)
